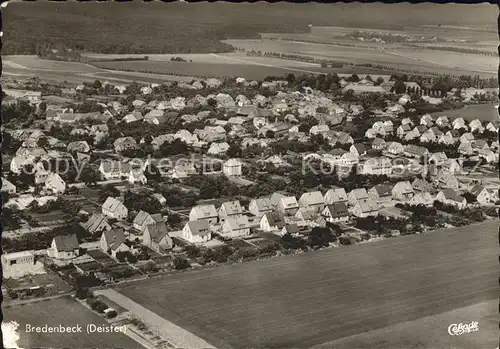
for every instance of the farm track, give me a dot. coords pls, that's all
(313, 298)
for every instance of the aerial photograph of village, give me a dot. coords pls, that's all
(246, 176)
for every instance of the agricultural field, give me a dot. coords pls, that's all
(67, 312)
(247, 67)
(430, 60)
(483, 112)
(431, 332)
(35, 63)
(314, 298)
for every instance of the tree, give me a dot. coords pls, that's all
(43, 142)
(212, 103)
(96, 84)
(179, 263)
(399, 87)
(89, 176)
(379, 81)
(234, 151)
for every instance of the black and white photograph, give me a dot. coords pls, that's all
(220, 175)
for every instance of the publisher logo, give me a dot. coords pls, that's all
(460, 329)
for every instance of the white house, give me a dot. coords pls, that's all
(365, 209)
(403, 191)
(288, 205)
(144, 218)
(113, 208)
(8, 187)
(156, 237)
(259, 207)
(55, 184)
(230, 209)
(312, 200)
(336, 212)
(483, 195)
(205, 212)
(450, 197)
(64, 247)
(197, 231)
(232, 167)
(236, 226)
(357, 195)
(113, 241)
(272, 222)
(335, 195)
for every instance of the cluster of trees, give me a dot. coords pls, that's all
(126, 256)
(37, 241)
(21, 111)
(381, 225)
(141, 201)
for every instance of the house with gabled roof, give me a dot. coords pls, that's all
(155, 236)
(365, 209)
(382, 193)
(452, 166)
(206, 212)
(442, 121)
(394, 148)
(125, 143)
(113, 208)
(438, 159)
(272, 222)
(197, 232)
(403, 191)
(64, 247)
(476, 125)
(446, 139)
(218, 148)
(358, 149)
(483, 195)
(447, 180)
(357, 195)
(97, 223)
(8, 187)
(459, 123)
(378, 144)
(236, 226)
(312, 200)
(421, 185)
(487, 155)
(230, 209)
(259, 207)
(144, 218)
(288, 205)
(336, 212)
(415, 151)
(376, 166)
(422, 198)
(113, 241)
(55, 184)
(449, 196)
(335, 195)
(78, 146)
(403, 130)
(465, 148)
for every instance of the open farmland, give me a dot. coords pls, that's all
(247, 67)
(427, 60)
(483, 112)
(431, 332)
(67, 312)
(313, 298)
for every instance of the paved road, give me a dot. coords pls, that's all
(312, 298)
